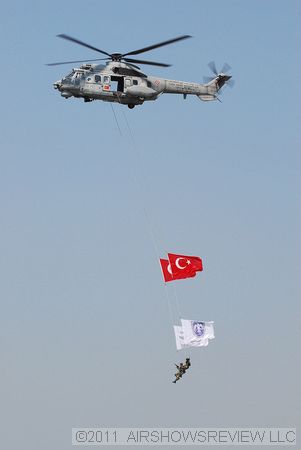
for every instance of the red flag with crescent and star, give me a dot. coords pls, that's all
(166, 270)
(183, 266)
(178, 267)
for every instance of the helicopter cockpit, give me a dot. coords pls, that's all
(73, 77)
(69, 85)
(68, 78)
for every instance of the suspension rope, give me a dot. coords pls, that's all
(116, 119)
(177, 301)
(136, 154)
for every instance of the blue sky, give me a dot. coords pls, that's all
(85, 331)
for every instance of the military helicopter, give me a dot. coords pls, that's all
(122, 81)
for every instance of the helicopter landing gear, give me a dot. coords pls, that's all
(131, 106)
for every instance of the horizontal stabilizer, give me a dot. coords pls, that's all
(206, 97)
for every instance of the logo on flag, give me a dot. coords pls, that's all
(198, 328)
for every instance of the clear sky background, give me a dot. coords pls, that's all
(86, 335)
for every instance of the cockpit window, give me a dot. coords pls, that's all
(97, 78)
(69, 75)
(77, 77)
(135, 82)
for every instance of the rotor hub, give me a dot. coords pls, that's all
(116, 56)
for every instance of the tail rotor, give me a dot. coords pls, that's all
(221, 77)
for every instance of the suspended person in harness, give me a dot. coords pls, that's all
(187, 363)
(181, 371)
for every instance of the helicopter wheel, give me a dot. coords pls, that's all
(131, 106)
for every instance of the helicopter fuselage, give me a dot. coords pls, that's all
(123, 83)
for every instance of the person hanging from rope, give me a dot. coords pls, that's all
(178, 376)
(187, 363)
(181, 371)
(181, 368)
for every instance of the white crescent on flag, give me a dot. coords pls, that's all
(178, 264)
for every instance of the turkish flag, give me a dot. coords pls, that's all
(168, 275)
(166, 270)
(183, 266)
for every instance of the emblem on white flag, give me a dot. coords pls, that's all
(193, 333)
(197, 333)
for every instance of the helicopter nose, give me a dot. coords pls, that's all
(57, 85)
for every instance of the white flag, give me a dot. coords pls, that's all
(196, 333)
(179, 334)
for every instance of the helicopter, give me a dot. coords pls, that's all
(122, 81)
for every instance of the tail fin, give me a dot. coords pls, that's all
(214, 86)
(218, 82)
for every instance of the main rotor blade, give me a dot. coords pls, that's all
(74, 62)
(77, 41)
(150, 63)
(160, 44)
(133, 65)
